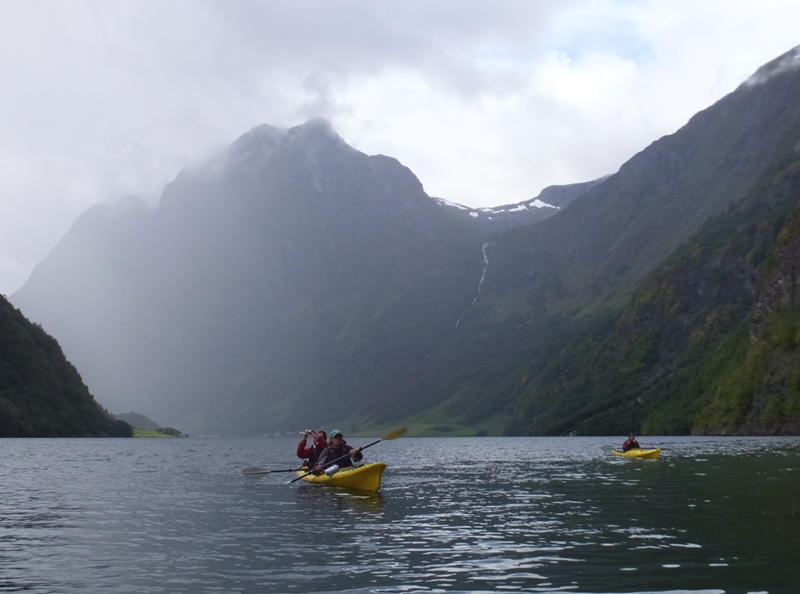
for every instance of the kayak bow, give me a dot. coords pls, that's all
(638, 453)
(364, 478)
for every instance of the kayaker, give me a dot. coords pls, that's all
(337, 453)
(630, 443)
(310, 453)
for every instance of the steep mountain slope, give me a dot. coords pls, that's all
(618, 231)
(41, 393)
(758, 391)
(708, 344)
(553, 290)
(295, 280)
(264, 286)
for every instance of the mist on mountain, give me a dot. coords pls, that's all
(293, 280)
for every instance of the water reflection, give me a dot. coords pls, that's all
(322, 501)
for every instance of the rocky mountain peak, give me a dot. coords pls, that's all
(253, 149)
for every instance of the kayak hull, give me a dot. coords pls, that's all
(363, 478)
(638, 453)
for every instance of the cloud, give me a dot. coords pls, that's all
(486, 102)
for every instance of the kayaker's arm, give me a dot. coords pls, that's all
(322, 460)
(303, 451)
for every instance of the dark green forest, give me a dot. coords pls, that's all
(41, 393)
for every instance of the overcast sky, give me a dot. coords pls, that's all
(487, 102)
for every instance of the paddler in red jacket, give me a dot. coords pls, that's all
(310, 453)
(630, 443)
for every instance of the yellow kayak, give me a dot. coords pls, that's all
(638, 453)
(364, 478)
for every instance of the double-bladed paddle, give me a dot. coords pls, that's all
(394, 434)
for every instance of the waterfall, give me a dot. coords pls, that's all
(480, 283)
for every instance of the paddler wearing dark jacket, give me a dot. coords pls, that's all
(338, 448)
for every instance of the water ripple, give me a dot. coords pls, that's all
(514, 514)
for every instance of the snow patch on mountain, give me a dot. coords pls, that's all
(444, 202)
(496, 210)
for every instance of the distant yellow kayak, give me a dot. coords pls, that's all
(364, 478)
(638, 453)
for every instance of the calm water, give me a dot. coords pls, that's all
(713, 515)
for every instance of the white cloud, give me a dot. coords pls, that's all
(486, 102)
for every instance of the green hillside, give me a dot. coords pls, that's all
(41, 393)
(709, 343)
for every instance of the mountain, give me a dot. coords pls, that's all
(708, 343)
(41, 393)
(263, 277)
(696, 347)
(138, 420)
(293, 280)
(555, 292)
(500, 218)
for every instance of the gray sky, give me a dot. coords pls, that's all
(487, 102)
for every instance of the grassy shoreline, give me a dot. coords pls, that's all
(154, 433)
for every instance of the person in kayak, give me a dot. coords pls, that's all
(310, 453)
(630, 443)
(337, 453)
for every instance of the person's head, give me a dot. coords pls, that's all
(336, 436)
(631, 436)
(323, 435)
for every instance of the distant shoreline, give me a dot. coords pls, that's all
(154, 433)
